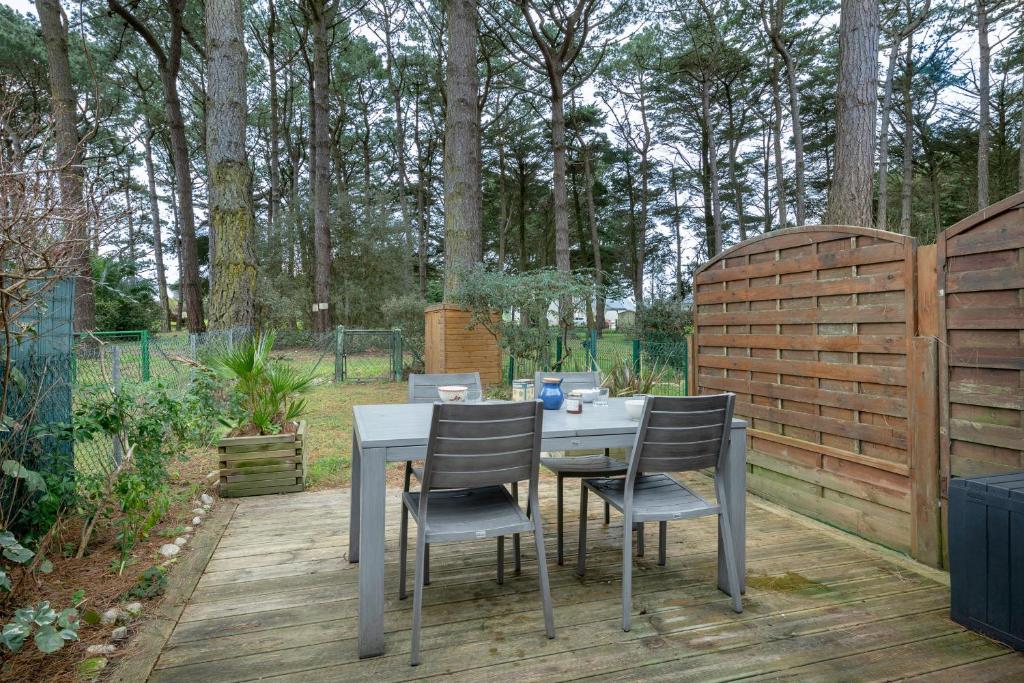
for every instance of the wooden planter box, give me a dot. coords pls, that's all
(258, 465)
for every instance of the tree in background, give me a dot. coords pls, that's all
(233, 295)
(849, 198)
(68, 156)
(462, 191)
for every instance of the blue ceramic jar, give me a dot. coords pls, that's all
(551, 394)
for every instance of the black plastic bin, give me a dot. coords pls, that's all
(986, 555)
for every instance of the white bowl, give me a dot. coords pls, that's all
(588, 395)
(453, 394)
(635, 408)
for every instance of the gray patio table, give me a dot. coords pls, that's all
(398, 433)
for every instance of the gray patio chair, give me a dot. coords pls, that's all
(423, 389)
(473, 452)
(579, 466)
(676, 434)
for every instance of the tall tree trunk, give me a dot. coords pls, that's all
(882, 215)
(780, 169)
(716, 202)
(849, 198)
(274, 205)
(677, 230)
(984, 95)
(158, 246)
(521, 168)
(503, 208)
(322, 13)
(559, 197)
(1020, 153)
(595, 240)
(635, 251)
(463, 241)
(233, 297)
(798, 134)
(69, 153)
(907, 181)
(169, 64)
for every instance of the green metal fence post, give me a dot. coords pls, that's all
(636, 355)
(339, 353)
(558, 351)
(144, 344)
(593, 350)
(396, 353)
(511, 370)
(686, 366)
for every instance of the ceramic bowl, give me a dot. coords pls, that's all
(453, 394)
(634, 408)
(588, 395)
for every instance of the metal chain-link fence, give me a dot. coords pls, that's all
(583, 350)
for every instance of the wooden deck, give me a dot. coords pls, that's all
(278, 603)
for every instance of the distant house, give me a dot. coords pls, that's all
(615, 309)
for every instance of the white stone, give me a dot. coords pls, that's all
(100, 650)
(180, 541)
(187, 530)
(169, 550)
(198, 511)
(206, 498)
(196, 521)
(213, 474)
(119, 633)
(134, 609)
(110, 616)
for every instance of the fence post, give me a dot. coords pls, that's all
(231, 339)
(558, 351)
(636, 355)
(691, 367)
(339, 353)
(115, 379)
(193, 343)
(396, 353)
(593, 350)
(511, 369)
(144, 347)
(925, 521)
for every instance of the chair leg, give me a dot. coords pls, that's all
(542, 576)
(662, 542)
(501, 560)
(561, 555)
(515, 537)
(581, 546)
(426, 565)
(627, 576)
(403, 550)
(730, 556)
(607, 514)
(640, 539)
(417, 596)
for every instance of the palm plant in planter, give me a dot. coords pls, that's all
(263, 451)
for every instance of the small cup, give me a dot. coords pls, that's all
(474, 396)
(602, 396)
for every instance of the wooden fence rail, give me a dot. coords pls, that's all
(847, 347)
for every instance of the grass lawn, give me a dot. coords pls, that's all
(329, 424)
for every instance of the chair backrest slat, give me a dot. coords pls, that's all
(482, 445)
(570, 380)
(678, 434)
(423, 388)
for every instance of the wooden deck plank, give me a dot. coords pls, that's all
(278, 602)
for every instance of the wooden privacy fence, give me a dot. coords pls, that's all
(870, 369)
(981, 313)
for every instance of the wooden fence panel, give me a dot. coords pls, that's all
(981, 362)
(813, 329)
